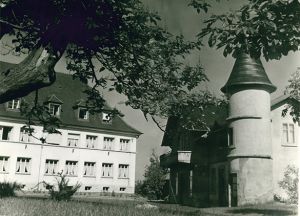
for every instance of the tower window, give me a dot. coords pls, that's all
(106, 118)
(230, 137)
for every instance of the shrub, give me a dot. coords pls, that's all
(290, 183)
(61, 191)
(8, 189)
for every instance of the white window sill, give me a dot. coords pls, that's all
(17, 173)
(89, 176)
(4, 172)
(109, 177)
(123, 177)
(49, 174)
(289, 145)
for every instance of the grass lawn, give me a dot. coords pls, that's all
(107, 207)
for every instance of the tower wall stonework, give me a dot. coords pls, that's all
(250, 156)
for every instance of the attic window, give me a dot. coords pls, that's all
(83, 113)
(230, 137)
(13, 104)
(106, 118)
(54, 109)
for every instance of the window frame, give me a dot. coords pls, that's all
(73, 137)
(74, 170)
(55, 167)
(4, 164)
(288, 134)
(93, 173)
(111, 143)
(94, 143)
(126, 172)
(126, 144)
(14, 108)
(55, 113)
(86, 114)
(106, 166)
(20, 168)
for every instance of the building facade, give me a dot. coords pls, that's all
(244, 156)
(95, 150)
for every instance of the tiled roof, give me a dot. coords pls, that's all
(248, 72)
(281, 100)
(68, 92)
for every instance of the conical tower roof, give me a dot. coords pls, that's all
(248, 72)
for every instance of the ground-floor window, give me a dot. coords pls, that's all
(123, 170)
(51, 167)
(105, 189)
(89, 168)
(107, 170)
(23, 165)
(71, 168)
(3, 164)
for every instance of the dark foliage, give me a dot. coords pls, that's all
(8, 189)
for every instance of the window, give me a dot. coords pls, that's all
(123, 170)
(83, 113)
(24, 135)
(213, 180)
(23, 165)
(230, 137)
(51, 167)
(124, 144)
(108, 143)
(14, 104)
(89, 168)
(91, 141)
(48, 187)
(191, 182)
(122, 189)
(5, 132)
(106, 118)
(73, 139)
(107, 170)
(71, 168)
(3, 164)
(54, 109)
(87, 188)
(288, 133)
(105, 189)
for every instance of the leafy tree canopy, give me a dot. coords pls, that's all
(261, 27)
(146, 61)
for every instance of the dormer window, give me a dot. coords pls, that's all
(14, 104)
(83, 113)
(54, 109)
(106, 118)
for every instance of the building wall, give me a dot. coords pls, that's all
(38, 153)
(284, 153)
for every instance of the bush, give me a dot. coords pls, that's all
(61, 191)
(290, 183)
(8, 189)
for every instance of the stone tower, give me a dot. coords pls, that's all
(249, 132)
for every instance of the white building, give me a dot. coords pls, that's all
(96, 151)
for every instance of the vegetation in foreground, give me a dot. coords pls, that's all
(36, 207)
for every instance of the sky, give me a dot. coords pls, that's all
(178, 18)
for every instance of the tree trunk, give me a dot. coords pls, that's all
(34, 72)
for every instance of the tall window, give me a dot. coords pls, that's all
(191, 182)
(89, 168)
(24, 135)
(123, 171)
(3, 164)
(13, 104)
(124, 144)
(288, 133)
(106, 118)
(54, 109)
(230, 137)
(51, 167)
(73, 139)
(5, 132)
(23, 165)
(71, 168)
(108, 143)
(107, 170)
(83, 113)
(91, 141)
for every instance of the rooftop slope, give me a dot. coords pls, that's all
(70, 92)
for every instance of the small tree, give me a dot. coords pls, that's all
(152, 186)
(63, 191)
(290, 183)
(293, 89)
